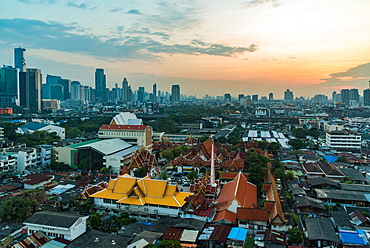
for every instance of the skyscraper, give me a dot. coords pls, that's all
(66, 83)
(100, 85)
(140, 94)
(240, 96)
(367, 97)
(33, 89)
(76, 90)
(353, 95)
(154, 93)
(254, 98)
(227, 98)
(19, 61)
(125, 91)
(175, 93)
(345, 96)
(271, 96)
(9, 86)
(288, 95)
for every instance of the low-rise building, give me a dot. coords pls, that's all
(34, 126)
(56, 225)
(343, 140)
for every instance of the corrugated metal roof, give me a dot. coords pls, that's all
(351, 237)
(107, 147)
(189, 236)
(238, 233)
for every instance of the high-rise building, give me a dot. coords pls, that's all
(126, 94)
(76, 90)
(33, 89)
(57, 92)
(19, 61)
(50, 80)
(271, 96)
(140, 94)
(66, 83)
(9, 86)
(100, 85)
(354, 95)
(227, 98)
(240, 96)
(345, 96)
(254, 98)
(175, 93)
(288, 95)
(367, 97)
(154, 93)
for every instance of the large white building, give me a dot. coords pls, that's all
(343, 140)
(34, 126)
(56, 225)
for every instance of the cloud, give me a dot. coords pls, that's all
(116, 9)
(358, 76)
(254, 3)
(84, 6)
(63, 37)
(148, 32)
(176, 15)
(38, 1)
(134, 11)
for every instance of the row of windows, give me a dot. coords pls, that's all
(110, 201)
(122, 133)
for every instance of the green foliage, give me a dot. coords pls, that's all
(141, 172)
(169, 244)
(59, 166)
(203, 138)
(174, 153)
(254, 164)
(329, 208)
(289, 175)
(296, 144)
(150, 245)
(299, 133)
(295, 218)
(342, 160)
(21, 206)
(313, 132)
(192, 175)
(9, 130)
(85, 164)
(295, 236)
(76, 127)
(37, 138)
(104, 170)
(112, 224)
(163, 175)
(262, 144)
(273, 147)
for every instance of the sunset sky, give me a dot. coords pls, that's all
(208, 47)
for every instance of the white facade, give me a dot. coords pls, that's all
(343, 141)
(7, 163)
(25, 158)
(147, 211)
(44, 154)
(60, 131)
(71, 233)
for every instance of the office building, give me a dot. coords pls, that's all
(353, 95)
(32, 96)
(9, 86)
(227, 98)
(254, 98)
(140, 94)
(175, 93)
(288, 95)
(154, 93)
(76, 90)
(100, 85)
(345, 96)
(240, 96)
(66, 83)
(126, 91)
(367, 97)
(271, 96)
(19, 61)
(57, 92)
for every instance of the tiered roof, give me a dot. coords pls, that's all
(140, 191)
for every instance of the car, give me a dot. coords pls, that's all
(186, 184)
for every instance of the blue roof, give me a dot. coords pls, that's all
(351, 237)
(34, 126)
(331, 158)
(238, 233)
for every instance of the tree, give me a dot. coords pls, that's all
(95, 221)
(273, 147)
(59, 166)
(262, 144)
(22, 206)
(104, 170)
(85, 164)
(163, 175)
(295, 236)
(289, 175)
(169, 244)
(296, 144)
(299, 133)
(192, 175)
(141, 172)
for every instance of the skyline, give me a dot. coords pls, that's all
(250, 47)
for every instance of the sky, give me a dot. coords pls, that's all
(207, 47)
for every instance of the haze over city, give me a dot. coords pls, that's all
(251, 47)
